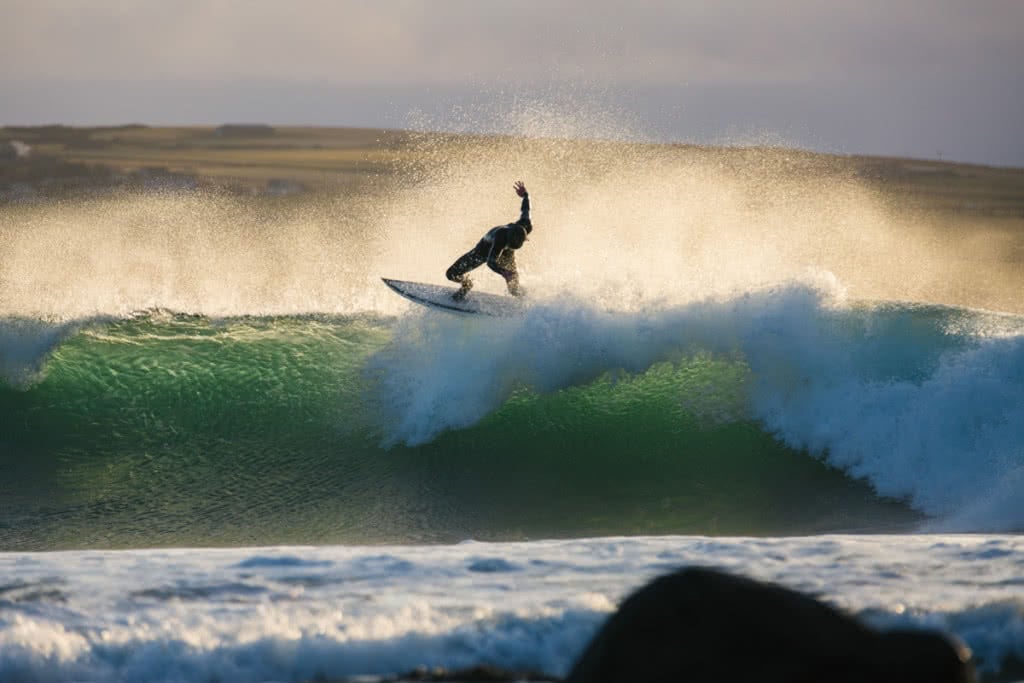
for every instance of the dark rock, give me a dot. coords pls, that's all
(702, 625)
(476, 674)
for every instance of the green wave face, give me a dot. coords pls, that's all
(177, 430)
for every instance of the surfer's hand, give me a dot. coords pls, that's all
(520, 188)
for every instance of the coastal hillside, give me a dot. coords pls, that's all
(273, 159)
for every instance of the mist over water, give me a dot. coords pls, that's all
(627, 224)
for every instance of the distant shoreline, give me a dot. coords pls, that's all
(281, 160)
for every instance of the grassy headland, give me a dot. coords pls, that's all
(251, 156)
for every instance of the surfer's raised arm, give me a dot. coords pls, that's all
(524, 209)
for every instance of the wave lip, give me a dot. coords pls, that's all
(952, 442)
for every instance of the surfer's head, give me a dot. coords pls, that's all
(526, 224)
(516, 236)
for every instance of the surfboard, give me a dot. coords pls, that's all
(439, 296)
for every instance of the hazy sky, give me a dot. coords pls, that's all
(900, 77)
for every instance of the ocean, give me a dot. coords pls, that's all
(228, 453)
(364, 494)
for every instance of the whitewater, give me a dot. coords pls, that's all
(229, 453)
(292, 613)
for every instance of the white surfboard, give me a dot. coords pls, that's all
(439, 296)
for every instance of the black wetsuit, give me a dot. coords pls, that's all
(497, 250)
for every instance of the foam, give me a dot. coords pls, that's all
(952, 443)
(439, 609)
(916, 400)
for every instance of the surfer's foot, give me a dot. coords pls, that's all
(461, 294)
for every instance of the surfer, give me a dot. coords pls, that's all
(497, 250)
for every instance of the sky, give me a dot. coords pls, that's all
(921, 78)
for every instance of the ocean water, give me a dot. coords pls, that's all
(228, 453)
(247, 498)
(292, 613)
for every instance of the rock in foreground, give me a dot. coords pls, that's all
(702, 625)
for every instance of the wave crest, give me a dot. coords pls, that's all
(918, 400)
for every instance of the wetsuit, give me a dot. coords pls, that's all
(497, 250)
